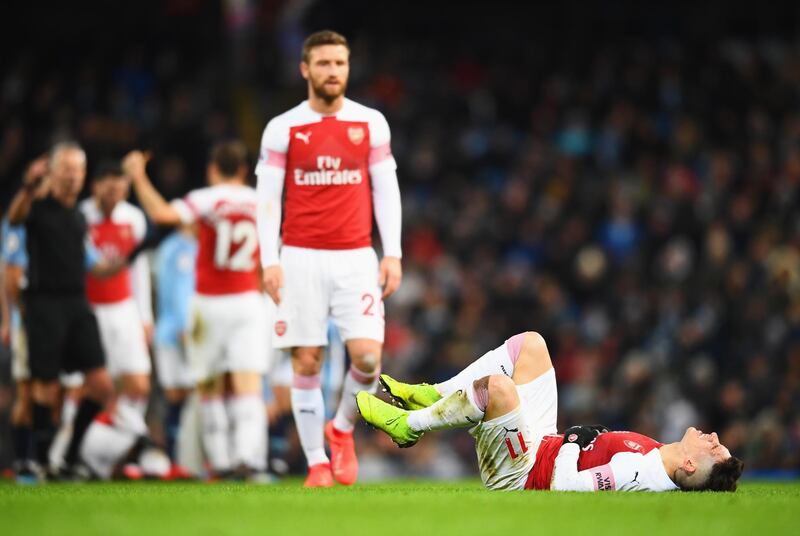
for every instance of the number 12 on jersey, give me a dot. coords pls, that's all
(240, 233)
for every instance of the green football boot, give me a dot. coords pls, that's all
(386, 417)
(408, 395)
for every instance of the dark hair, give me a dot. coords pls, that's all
(324, 37)
(106, 169)
(229, 157)
(723, 476)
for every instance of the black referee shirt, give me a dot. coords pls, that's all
(55, 238)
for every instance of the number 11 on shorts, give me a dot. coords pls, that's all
(522, 445)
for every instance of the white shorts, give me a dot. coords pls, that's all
(172, 367)
(506, 446)
(228, 334)
(319, 284)
(122, 335)
(20, 370)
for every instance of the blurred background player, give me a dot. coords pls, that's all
(14, 261)
(121, 303)
(228, 343)
(334, 157)
(175, 261)
(61, 328)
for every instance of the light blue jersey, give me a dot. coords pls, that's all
(175, 261)
(14, 250)
(333, 370)
(14, 254)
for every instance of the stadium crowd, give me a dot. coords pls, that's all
(636, 204)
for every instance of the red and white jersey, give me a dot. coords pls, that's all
(328, 161)
(114, 237)
(624, 461)
(228, 241)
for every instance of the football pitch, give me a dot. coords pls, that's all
(398, 508)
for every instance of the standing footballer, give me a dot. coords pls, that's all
(332, 156)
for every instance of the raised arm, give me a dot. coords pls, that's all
(34, 185)
(155, 206)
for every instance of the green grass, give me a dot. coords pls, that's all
(403, 508)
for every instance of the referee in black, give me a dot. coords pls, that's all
(61, 328)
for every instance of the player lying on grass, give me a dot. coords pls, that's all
(508, 400)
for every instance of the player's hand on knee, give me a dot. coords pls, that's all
(580, 435)
(391, 272)
(273, 281)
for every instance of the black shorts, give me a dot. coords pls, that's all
(62, 335)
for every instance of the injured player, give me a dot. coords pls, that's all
(508, 400)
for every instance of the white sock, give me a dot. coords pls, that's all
(249, 429)
(460, 409)
(214, 422)
(355, 381)
(308, 409)
(497, 361)
(68, 411)
(58, 447)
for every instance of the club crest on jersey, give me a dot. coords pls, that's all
(633, 445)
(356, 134)
(572, 438)
(280, 328)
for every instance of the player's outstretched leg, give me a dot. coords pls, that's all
(522, 358)
(486, 398)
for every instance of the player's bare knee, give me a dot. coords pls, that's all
(98, 385)
(365, 354)
(368, 363)
(46, 392)
(245, 383)
(502, 394)
(137, 385)
(501, 387)
(306, 361)
(533, 359)
(21, 412)
(175, 395)
(534, 344)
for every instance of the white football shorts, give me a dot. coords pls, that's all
(122, 335)
(172, 367)
(228, 334)
(320, 284)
